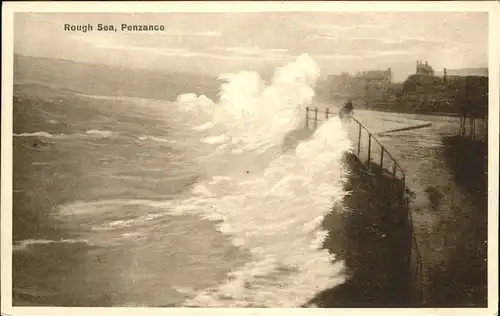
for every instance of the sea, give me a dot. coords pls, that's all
(195, 202)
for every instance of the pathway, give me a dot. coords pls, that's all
(440, 208)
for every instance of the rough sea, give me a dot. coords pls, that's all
(122, 201)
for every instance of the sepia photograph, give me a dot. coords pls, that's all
(248, 159)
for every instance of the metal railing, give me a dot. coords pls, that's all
(378, 160)
(368, 148)
(474, 127)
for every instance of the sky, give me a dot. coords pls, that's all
(215, 43)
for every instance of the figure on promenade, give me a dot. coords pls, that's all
(347, 110)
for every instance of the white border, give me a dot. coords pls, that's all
(493, 156)
(6, 163)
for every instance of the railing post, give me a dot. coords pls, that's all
(394, 183)
(382, 158)
(307, 116)
(327, 112)
(404, 186)
(369, 149)
(473, 127)
(359, 140)
(471, 123)
(315, 118)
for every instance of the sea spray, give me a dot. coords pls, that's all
(277, 215)
(269, 202)
(246, 128)
(256, 115)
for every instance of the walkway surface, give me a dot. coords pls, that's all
(440, 208)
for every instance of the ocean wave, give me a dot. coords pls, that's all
(92, 208)
(99, 133)
(89, 133)
(219, 139)
(268, 201)
(249, 114)
(86, 212)
(41, 163)
(158, 139)
(204, 127)
(277, 216)
(120, 224)
(40, 134)
(24, 244)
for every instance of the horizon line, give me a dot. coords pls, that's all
(180, 72)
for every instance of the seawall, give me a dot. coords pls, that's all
(373, 237)
(448, 266)
(372, 232)
(427, 253)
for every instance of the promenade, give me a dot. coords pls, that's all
(442, 211)
(448, 259)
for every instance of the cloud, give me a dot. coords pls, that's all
(235, 53)
(253, 51)
(366, 54)
(206, 34)
(239, 57)
(381, 40)
(388, 52)
(412, 40)
(329, 36)
(150, 50)
(337, 56)
(340, 27)
(377, 44)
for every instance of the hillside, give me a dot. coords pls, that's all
(417, 94)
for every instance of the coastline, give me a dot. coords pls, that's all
(361, 237)
(368, 236)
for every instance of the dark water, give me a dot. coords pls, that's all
(98, 222)
(136, 202)
(89, 183)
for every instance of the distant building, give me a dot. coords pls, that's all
(371, 84)
(376, 75)
(337, 84)
(362, 84)
(424, 69)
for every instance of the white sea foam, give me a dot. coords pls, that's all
(107, 211)
(90, 133)
(119, 224)
(41, 163)
(277, 216)
(268, 202)
(41, 134)
(91, 208)
(157, 139)
(203, 127)
(99, 133)
(271, 204)
(215, 139)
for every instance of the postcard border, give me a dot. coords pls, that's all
(6, 139)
